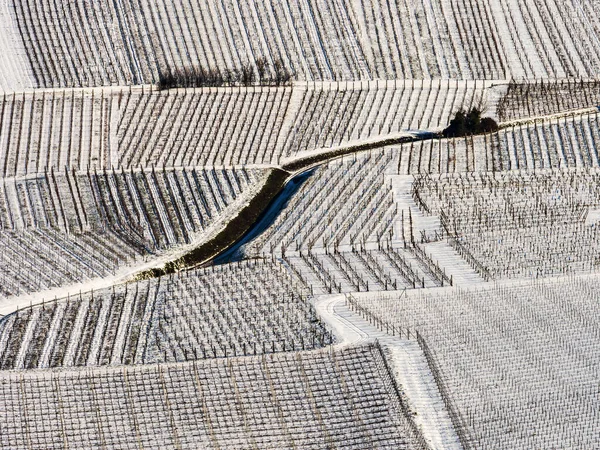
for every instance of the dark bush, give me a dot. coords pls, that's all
(247, 75)
(469, 123)
(166, 80)
(190, 77)
(488, 125)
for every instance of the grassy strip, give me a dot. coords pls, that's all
(233, 231)
(305, 163)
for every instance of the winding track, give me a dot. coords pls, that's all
(408, 364)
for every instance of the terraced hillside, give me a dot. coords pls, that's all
(69, 227)
(239, 309)
(140, 126)
(243, 224)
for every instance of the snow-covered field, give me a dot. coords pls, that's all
(132, 41)
(361, 310)
(520, 361)
(72, 227)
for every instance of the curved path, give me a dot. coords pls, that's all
(408, 363)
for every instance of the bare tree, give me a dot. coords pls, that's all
(262, 69)
(282, 74)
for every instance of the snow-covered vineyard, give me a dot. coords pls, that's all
(329, 242)
(518, 224)
(133, 41)
(341, 224)
(238, 309)
(337, 398)
(121, 127)
(546, 97)
(68, 227)
(570, 141)
(520, 368)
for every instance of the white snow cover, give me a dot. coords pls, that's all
(15, 71)
(408, 363)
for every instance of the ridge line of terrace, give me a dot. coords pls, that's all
(419, 83)
(555, 116)
(414, 83)
(307, 160)
(224, 360)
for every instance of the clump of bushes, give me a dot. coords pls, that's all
(189, 77)
(247, 75)
(467, 123)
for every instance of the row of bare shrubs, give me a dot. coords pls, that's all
(247, 75)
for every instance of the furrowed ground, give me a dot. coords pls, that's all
(238, 224)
